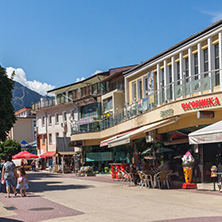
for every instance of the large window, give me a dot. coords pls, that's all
(145, 86)
(43, 139)
(196, 66)
(162, 83)
(217, 66)
(108, 104)
(178, 73)
(205, 54)
(89, 110)
(187, 69)
(139, 89)
(133, 91)
(170, 82)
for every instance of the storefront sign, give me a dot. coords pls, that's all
(166, 113)
(201, 103)
(99, 156)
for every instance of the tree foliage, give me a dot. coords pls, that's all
(7, 116)
(9, 147)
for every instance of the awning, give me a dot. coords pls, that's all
(105, 142)
(126, 138)
(48, 154)
(67, 153)
(208, 134)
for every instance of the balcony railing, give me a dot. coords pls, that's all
(43, 104)
(185, 87)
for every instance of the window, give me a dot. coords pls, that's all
(43, 121)
(217, 66)
(50, 138)
(187, 69)
(133, 91)
(43, 139)
(178, 73)
(145, 86)
(57, 118)
(196, 66)
(64, 117)
(108, 103)
(72, 114)
(205, 54)
(64, 134)
(50, 120)
(139, 89)
(56, 136)
(89, 110)
(170, 82)
(162, 84)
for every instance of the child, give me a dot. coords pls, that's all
(22, 182)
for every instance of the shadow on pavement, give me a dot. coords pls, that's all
(9, 220)
(40, 186)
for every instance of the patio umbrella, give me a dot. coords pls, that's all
(24, 155)
(23, 143)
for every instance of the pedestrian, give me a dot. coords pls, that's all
(9, 174)
(33, 165)
(22, 182)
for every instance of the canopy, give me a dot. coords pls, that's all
(159, 150)
(48, 154)
(105, 142)
(24, 155)
(126, 138)
(208, 134)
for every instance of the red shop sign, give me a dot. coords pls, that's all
(200, 103)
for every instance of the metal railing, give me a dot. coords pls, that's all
(187, 86)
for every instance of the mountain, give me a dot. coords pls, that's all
(23, 96)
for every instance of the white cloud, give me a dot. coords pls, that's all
(34, 85)
(80, 79)
(216, 16)
(96, 72)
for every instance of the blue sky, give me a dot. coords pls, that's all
(53, 42)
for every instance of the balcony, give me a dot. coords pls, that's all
(187, 87)
(43, 104)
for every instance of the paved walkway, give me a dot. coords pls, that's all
(65, 198)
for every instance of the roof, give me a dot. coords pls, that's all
(80, 83)
(190, 38)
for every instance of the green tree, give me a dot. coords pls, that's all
(9, 147)
(7, 115)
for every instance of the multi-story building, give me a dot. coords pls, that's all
(24, 127)
(76, 108)
(167, 97)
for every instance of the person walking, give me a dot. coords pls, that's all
(22, 182)
(9, 173)
(33, 165)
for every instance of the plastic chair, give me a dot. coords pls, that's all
(163, 176)
(143, 180)
(149, 177)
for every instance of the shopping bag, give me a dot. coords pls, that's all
(2, 181)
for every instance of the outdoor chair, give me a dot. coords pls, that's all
(163, 176)
(149, 177)
(125, 177)
(143, 180)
